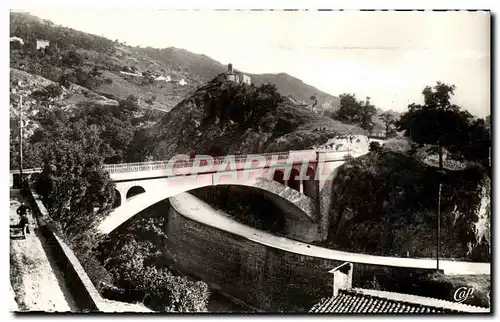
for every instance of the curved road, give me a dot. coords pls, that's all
(197, 210)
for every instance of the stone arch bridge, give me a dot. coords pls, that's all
(292, 180)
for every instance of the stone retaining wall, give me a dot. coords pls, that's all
(86, 296)
(264, 277)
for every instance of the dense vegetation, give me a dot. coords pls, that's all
(398, 200)
(75, 189)
(132, 255)
(78, 193)
(443, 124)
(352, 111)
(109, 130)
(242, 104)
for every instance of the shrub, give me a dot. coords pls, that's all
(160, 289)
(170, 293)
(150, 100)
(65, 81)
(86, 79)
(400, 145)
(53, 90)
(94, 269)
(72, 59)
(374, 146)
(51, 72)
(48, 92)
(72, 185)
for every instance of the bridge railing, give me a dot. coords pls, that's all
(31, 170)
(161, 165)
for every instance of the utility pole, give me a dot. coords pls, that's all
(21, 138)
(438, 239)
(316, 179)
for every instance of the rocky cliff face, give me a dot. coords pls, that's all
(386, 203)
(214, 120)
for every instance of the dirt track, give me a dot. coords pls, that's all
(37, 283)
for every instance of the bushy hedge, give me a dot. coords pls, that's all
(159, 289)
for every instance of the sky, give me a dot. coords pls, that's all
(388, 56)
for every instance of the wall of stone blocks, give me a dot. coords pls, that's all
(263, 277)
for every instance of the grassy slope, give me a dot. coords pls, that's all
(289, 85)
(178, 63)
(207, 68)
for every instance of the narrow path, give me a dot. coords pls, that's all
(36, 281)
(198, 210)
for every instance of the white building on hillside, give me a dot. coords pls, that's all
(234, 76)
(40, 44)
(163, 78)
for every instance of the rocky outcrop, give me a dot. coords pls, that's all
(199, 124)
(386, 203)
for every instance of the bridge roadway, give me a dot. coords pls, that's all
(197, 210)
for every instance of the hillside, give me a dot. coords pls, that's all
(206, 68)
(289, 85)
(147, 68)
(35, 99)
(224, 117)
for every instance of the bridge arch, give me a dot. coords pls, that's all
(134, 191)
(300, 207)
(117, 199)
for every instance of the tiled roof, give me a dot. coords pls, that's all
(368, 301)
